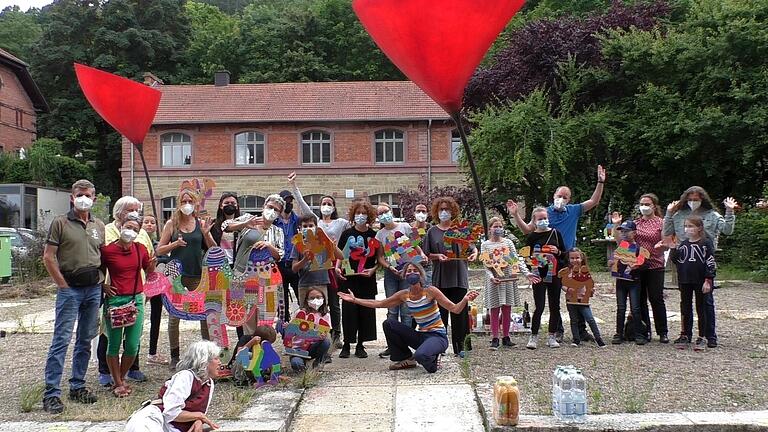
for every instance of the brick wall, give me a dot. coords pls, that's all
(14, 99)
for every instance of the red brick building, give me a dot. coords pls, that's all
(20, 102)
(346, 139)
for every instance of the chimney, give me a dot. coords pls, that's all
(221, 78)
(151, 80)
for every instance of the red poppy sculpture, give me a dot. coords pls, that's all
(438, 45)
(126, 105)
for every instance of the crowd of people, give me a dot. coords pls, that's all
(100, 271)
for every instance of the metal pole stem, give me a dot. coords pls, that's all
(478, 190)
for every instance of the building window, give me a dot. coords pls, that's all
(455, 145)
(389, 198)
(177, 149)
(19, 118)
(313, 201)
(251, 204)
(390, 146)
(316, 147)
(249, 148)
(168, 205)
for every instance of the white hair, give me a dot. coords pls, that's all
(197, 356)
(122, 203)
(276, 199)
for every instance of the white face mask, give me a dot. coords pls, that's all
(269, 214)
(559, 203)
(421, 217)
(83, 203)
(316, 303)
(646, 210)
(694, 205)
(326, 210)
(187, 209)
(128, 235)
(361, 219)
(542, 224)
(444, 215)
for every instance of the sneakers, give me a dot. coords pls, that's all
(344, 353)
(384, 353)
(136, 375)
(712, 343)
(552, 342)
(533, 342)
(682, 342)
(404, 364)
(360, 351)
(700, 345)
(641, 340)
(600, 342)
(82, 395)
(558, 338)
(507, 342)
(617, 339)
(105, 380)
(156, 359)
(53, 405)
(494, 344)
(663, 339)
(575, 343)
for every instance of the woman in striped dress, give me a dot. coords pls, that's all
(429, 338)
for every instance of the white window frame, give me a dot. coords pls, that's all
(456, 146)
(388, 139)
(316, 138)
(259, 139)
(251, 204)
(388, 198)
(167, 207)
(313, 201)
(185, 148)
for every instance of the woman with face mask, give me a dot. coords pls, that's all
(359, 323)
(429, 339)
(228, 210)
(186, 237)
(695, 201)
(651, 275)
(421, 225)
(502, 295)
(125, 259)
(450, 276)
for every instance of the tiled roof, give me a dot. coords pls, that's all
(11, 57)
(21, 70)
(294, 102)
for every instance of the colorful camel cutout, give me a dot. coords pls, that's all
(542, 259)
(464, 236)
(498, 259)
(578, 284)
(263, 362)
(302, 332)
(222, 299)
(399, 249)
(356, 249)
(626, 255)
(156, 283)
(321, 248)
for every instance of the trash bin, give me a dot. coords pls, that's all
(5, 257)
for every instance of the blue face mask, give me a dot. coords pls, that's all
(386, 218)
(413, 278)
(542, 224)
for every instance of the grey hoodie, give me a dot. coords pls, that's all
(714, 224)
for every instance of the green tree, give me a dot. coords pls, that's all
(214, 43)
(19, 31)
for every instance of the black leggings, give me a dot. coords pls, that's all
(459, 322)
(155, 315)
(542, 291)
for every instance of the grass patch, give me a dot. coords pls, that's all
(308, 378)
(730, 272)
(31, 395)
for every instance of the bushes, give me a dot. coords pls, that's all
(747, 248)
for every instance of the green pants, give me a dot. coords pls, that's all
(132, 334)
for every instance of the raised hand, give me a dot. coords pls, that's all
(616, 218)
(511, 207)
(292, 178)
(730, 203)
(672, 205)
(600, 173)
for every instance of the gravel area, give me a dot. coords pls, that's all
(651, 378)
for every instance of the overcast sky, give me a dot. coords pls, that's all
(24, 4)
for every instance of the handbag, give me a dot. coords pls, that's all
(125, 315)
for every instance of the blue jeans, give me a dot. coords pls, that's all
(72, 304)
(626, 288)
(393, 284)
(317, 351)
(582, 313)
(428, 345)
(709, 312)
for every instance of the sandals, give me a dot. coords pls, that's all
(403, 364)
(121, 391)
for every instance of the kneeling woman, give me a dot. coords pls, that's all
(184, 399)
(429, 339)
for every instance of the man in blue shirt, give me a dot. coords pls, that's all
(564, 217)
(288, 221)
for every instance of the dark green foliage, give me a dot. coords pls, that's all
(747, 248)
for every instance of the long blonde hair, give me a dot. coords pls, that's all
(177, 214)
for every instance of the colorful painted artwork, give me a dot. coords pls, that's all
(302, 332)
(156, 284)
(319, 245)
(626, 255)
(541, 260)
(463, 235)
(263, 362)
(399, 249)
(498, 259)
(358, 250)
(222, 298)
(578, 284)
(203, 186)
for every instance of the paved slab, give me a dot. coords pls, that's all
(437, 407)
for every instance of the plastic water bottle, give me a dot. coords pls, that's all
(579, 389)
(566, 396)
(569, 396)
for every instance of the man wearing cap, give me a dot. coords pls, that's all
(288, 221)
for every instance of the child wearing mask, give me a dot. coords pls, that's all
(314, 304)
(627, 285)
